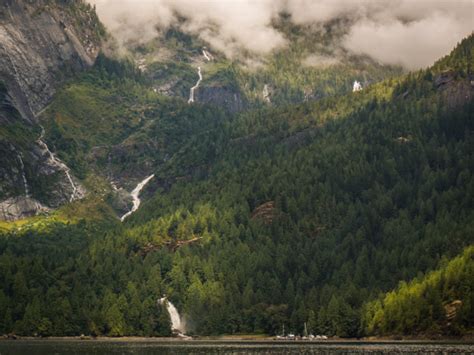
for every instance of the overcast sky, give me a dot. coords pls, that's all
(413, 33)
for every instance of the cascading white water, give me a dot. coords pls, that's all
(176, 322)
(266, 93)
(191, 92)
(135, 196)
(357, 86)
(56, 162)
(25, 182)
(207, 55)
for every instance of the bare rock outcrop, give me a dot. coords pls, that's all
(227, 98)
(455, 92)
(42, 43)
(265, 212)
(20, 207)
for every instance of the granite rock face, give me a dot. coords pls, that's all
(227, 98)
(454, 92)
(20, 207)
(42, 43)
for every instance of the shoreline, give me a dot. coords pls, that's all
(242, 339)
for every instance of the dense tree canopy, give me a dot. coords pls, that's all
(295, 214)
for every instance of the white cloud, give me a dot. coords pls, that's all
(413, 33)
(413, 45)
(227, 25)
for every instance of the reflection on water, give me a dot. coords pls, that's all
(50, 347)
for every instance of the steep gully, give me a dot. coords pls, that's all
(191, 93)
(209, 57)
(53, 160)
(23, 175)
(135, 196)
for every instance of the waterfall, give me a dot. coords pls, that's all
(207, 55)
(58, 163)
(266, 93)
(357, 86)
(176, 323)
(25, 183)
(191, 93)
(135, 196)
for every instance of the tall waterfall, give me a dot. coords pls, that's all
(191, 92)
(25, 183)
(135, 196)
(56, 162)
(209, 57)
(176, 323)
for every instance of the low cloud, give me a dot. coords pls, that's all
(414, 45)
(228, 26)
(412, 33)
(130, 20)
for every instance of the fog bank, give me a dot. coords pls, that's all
(412, 33)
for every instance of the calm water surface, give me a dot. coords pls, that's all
(52, 347)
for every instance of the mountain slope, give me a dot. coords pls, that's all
(314, 65)
(42, 44)
(304, 215)
(136, 129)
(49, 41)
(279, 215)
(440, 302)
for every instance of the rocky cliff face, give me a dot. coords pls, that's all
(41, 43)
(227, 98)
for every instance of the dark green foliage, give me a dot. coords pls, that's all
(361, 191)
(374, 197)
(417, 307)
(74, 281)
(118, 110)
(460, 60)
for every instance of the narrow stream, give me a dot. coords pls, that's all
(25, 182)
(209, 57)
(58, 163)
(191, 93)
(135, 195)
